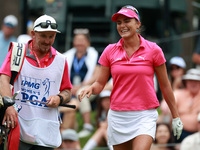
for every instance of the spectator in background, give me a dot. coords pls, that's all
(163, 137)
(196, 54)
(83, 67)
(24, 38)
(188, 103)
(7, 35)
(177, 68)
(192, 142)
(100, 135)
(70, 140)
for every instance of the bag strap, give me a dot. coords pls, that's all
(17, 58)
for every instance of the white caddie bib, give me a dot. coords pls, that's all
(39, 124)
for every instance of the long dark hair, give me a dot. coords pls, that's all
(171, 139)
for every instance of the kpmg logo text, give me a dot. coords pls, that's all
(30, 84)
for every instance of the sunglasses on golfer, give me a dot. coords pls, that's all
(46, 25)
(133, 9)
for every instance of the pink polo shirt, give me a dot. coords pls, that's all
(65, 84)
(133, 86)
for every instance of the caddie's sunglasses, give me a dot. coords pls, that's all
(133, 9)
(46, 25)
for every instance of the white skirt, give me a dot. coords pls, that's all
(126, 125)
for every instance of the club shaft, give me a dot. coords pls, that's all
(30, 101)
(64, 105)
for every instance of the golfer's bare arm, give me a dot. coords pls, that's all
(102, 79)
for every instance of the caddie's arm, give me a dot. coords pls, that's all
(56, 100)
(5, 90)
(65, 96)
(1, 102)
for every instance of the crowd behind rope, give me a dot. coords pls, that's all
(185, 85)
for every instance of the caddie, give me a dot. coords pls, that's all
(43, 76)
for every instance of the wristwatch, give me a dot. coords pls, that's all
(61, 99)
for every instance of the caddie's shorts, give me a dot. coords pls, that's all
(26, 146)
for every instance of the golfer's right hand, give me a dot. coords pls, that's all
(86, 92)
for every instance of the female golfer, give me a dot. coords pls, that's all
(132, 63)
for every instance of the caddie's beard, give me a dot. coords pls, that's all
(44, 50)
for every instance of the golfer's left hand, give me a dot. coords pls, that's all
(177, 126)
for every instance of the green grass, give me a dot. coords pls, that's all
(159, 111)
(79, 118)
(84, 140)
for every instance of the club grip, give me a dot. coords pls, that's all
(70, 106)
